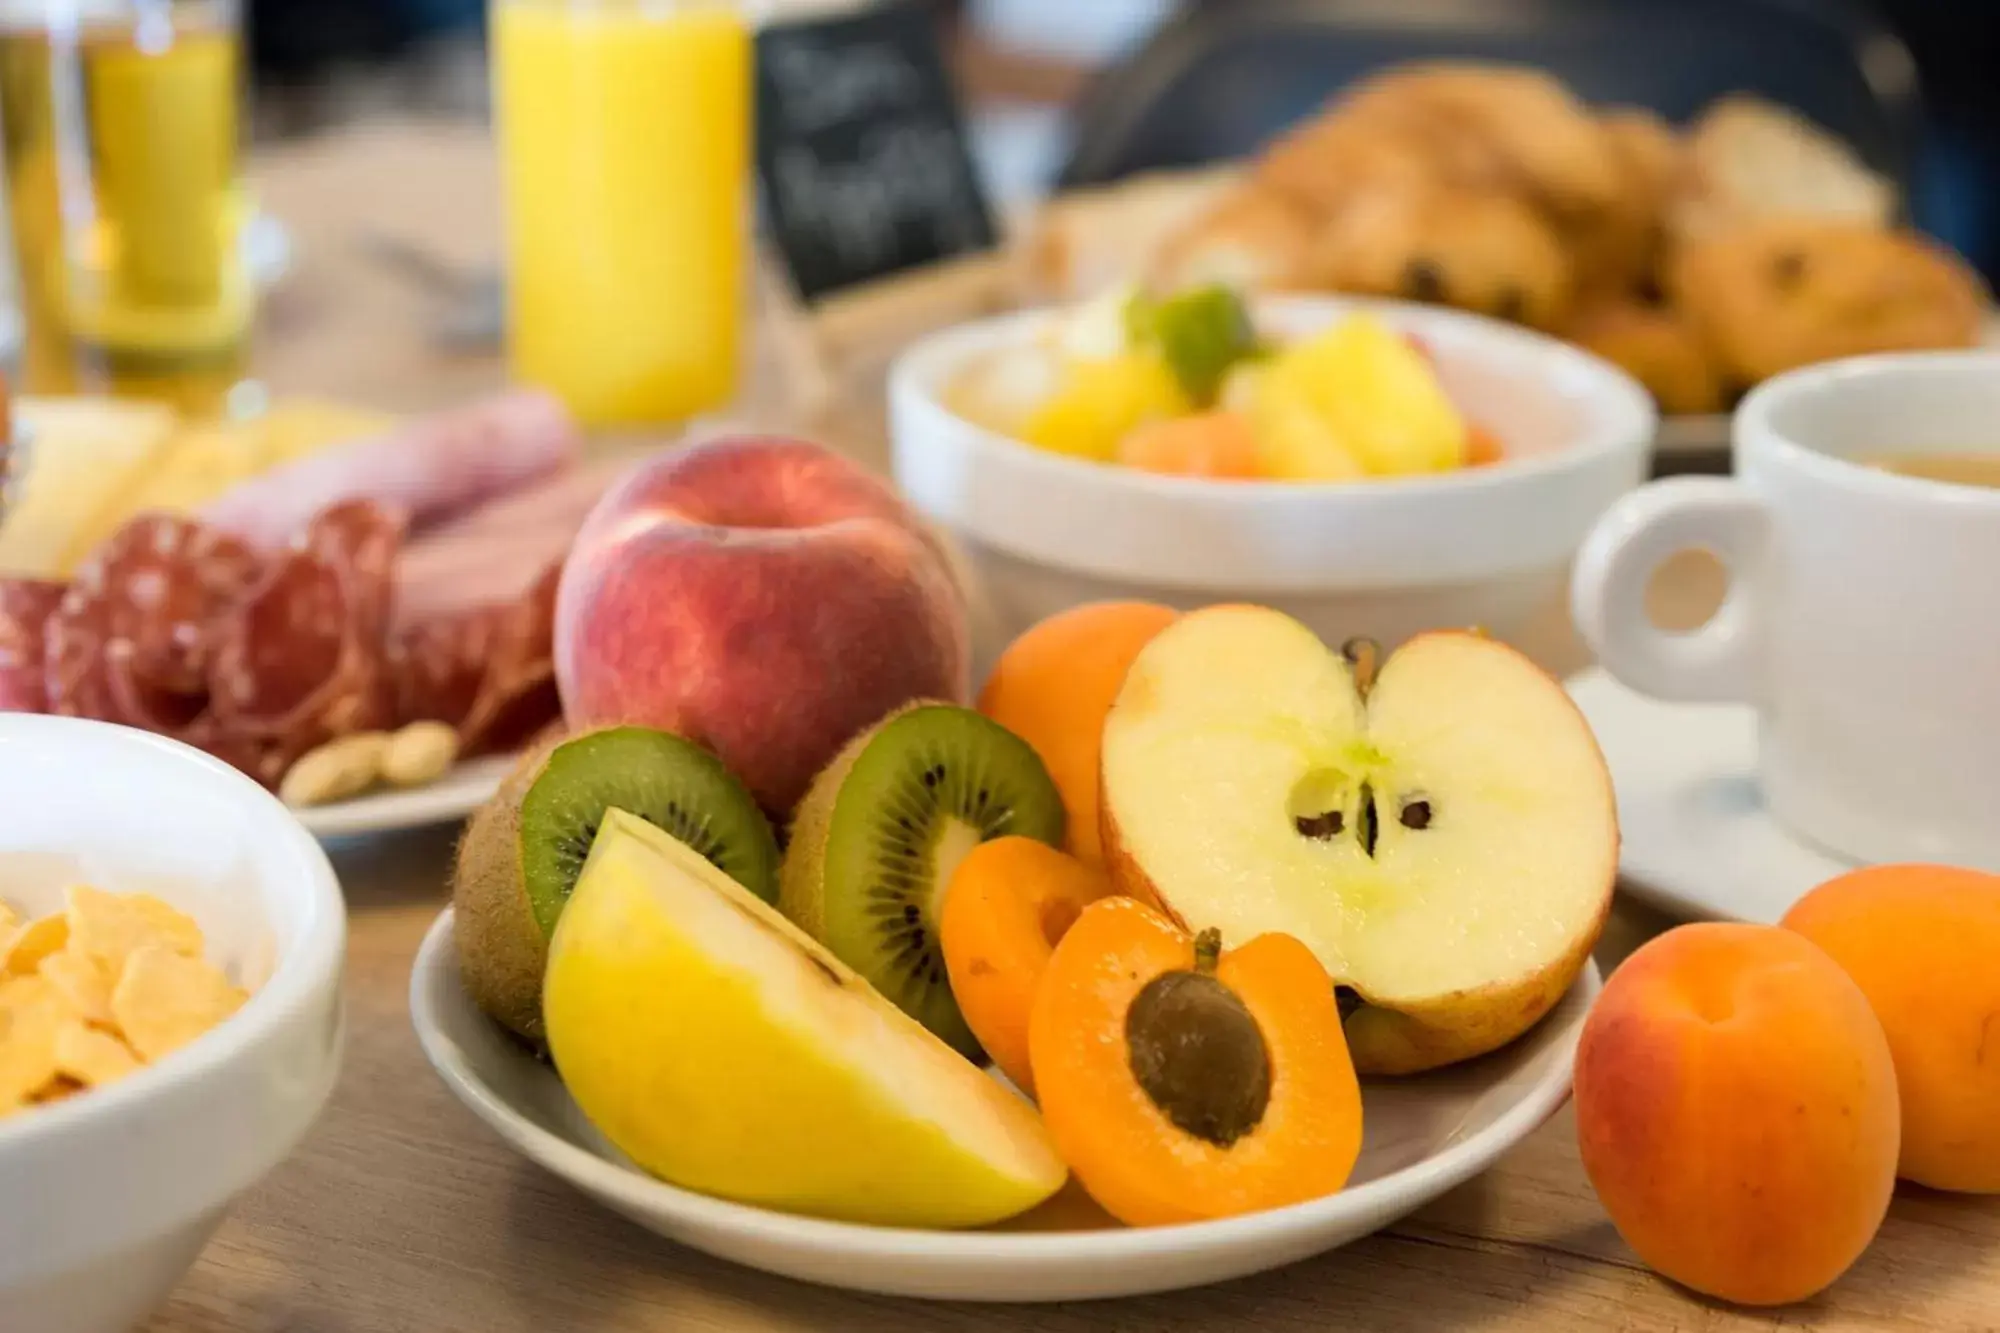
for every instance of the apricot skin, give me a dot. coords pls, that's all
(1923, 943)
(1736, 1112)
(1052, 688)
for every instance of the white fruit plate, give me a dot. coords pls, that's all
(446, 801)
(1423, 1136)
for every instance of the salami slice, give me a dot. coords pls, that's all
(517, 697)
(362, 539)
(129, 640)
(438, 667)
(184, 630)
(299, 660)
(25, 608)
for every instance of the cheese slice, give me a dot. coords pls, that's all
(206, 459)
(89, 464)
(76, 459)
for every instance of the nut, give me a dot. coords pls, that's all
(343, 767)
(421, 752)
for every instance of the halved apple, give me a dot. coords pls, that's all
(1441, 834)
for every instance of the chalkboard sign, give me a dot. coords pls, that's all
(861, 150)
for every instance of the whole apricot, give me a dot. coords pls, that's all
(1923, 943)
(1736, 1112)
(1053, 686)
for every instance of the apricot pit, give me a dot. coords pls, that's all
(1183, 1082)
(1197, 1051)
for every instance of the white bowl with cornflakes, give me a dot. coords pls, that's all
(1383, 557)
(108, 1193)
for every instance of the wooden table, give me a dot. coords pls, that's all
(401, 1213)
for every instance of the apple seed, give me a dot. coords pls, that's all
(1318, 804)
(1328, 825)
(1416, 813)
(1197, 1052)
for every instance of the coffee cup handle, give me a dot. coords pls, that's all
(1720, 661)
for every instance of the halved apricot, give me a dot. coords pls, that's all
(1181, 1082)
(1008, 905)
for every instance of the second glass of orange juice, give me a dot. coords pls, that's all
(624, 131)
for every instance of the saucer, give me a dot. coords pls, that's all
(1697, 838)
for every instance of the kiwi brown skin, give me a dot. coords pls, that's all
(502, 952)
(502, 939)
(800, 875)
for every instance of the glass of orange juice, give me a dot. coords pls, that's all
(125, 197)
(624, 131)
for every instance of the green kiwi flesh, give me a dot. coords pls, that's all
(522, 850)
(669, 782)
(883, 827)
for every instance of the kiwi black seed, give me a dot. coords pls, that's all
(883, 827)
(524, 849)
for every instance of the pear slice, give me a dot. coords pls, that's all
(724, 1051)
(1442, 836)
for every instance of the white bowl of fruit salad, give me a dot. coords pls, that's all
(1369, 467)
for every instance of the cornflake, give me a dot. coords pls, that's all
(164, 1000)
(98, 991)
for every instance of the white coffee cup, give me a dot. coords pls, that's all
(1862, 619)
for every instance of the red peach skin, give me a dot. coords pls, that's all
(763, 597)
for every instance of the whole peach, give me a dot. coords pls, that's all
(1923, 943)
(764, 597)
(1736, 1112)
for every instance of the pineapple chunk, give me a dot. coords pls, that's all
(1295, 442)
(1377, 395)
(1100, 401)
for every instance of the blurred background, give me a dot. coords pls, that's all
(1046, 80)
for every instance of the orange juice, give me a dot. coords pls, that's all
(624, 131)
(119, 120)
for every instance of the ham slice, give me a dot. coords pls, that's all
(497, 552)
(429, 470)
(487, 671)
(296, 612)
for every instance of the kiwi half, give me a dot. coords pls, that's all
(880, 832)
(523, 850)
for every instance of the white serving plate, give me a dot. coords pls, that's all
(449, 799)
(1423, 1137)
